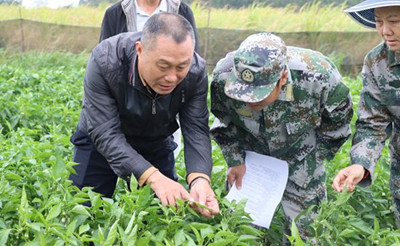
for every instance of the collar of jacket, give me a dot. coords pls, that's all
(287, 90)
(135, 79)
(129, 8)
(393, 57)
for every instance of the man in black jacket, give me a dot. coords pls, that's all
(134, 86)
(129, 15)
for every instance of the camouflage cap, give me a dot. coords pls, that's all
(258, 65)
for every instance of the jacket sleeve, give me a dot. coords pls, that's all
(194, 123)
(186, 12)
(337, 112)
(102, 120)
(373, 126)
(107, 26)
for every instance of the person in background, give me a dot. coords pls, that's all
(286, 102)
(379, 106)
(130, 16)
(135, 85)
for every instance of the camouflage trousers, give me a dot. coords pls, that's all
(296, 199)
(395, 185)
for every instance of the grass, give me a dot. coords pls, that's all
(311, 17)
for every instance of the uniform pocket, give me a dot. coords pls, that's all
(303, 172)
(302, 147)
(301, 139)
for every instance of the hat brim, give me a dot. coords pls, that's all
(363, 13)
(246, 92)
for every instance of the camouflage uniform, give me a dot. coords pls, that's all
(379, 116)
(307, 124)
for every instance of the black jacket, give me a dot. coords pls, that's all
(119, 114)
(114, 21)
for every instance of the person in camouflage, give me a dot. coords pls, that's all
(285, 102)
(378, 109)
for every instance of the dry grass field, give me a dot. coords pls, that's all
(312, 17)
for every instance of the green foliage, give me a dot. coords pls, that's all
(39, 110)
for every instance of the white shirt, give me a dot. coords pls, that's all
(141, 16)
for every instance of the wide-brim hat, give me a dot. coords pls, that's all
(364, 13)
(258, 65)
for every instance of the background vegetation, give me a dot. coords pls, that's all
(219, 3)
(291, 18)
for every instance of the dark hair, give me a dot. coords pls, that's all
(167, 24)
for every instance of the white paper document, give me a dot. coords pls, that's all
(263, 185)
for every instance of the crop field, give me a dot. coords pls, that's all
(39, 110)
(311, 17)
(40, 102)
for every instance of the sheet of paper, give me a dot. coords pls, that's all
(263, 185)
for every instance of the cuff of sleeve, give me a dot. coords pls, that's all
(143, 178)
(235, 163)
(193, 176)
(366, 173)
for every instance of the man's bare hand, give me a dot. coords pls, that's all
(236, 173)
(167, 190)
(204, 195)
(350, 175)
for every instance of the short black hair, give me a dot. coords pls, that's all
(167, 24)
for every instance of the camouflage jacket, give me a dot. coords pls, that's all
(307, 124)
(378, 109)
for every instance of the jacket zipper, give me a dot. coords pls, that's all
(153, 107)
(153, 101)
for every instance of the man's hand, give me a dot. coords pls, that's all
(203, 194)
(236, 174)
(350, 175)
(167, 190)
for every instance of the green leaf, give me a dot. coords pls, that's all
(222, 242)
(179, 237)
(296, 236)
(189, 240)
(376, 226)
(83, 228)
(347, 233)
(130, 224)
(394, 234)
(206, 232)
(80, 209)
(249, 230)
(160, 236)
(71, 227)
(4, 236)
(112, 234)
(58, 166)
(250, 238)
(343, 197)
(362, 226)
(23, 206)
(145, 239)
(54, 212)
(197, 234)
(35, 226)
(13, 176)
